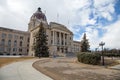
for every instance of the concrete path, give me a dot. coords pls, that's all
(21, 71)
(117, 67)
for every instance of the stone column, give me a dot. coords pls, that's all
(53, 37)
(64, 39)
(60, 38)
(63, 42)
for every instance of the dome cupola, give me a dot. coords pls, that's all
(39, 14)
(36, 19)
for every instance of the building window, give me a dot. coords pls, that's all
(28, 40)
(58, 49)
(62, 50)
(27, 45)
(21, 37)
(58, 41)
(62, 35)
(15, 43)
(10, 36)
(20, 50)
(66, 50)
(16, 36)
(9, 43)
(14, 49)
(3, 42)
(20, 43)
(65, 36)
(57, 34)
(27, 50)
(4, 35)
(65, 43)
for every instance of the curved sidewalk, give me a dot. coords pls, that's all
(21, 71)
(117, 67)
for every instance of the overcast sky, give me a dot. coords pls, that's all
(100, 19)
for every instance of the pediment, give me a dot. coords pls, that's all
(61, 27)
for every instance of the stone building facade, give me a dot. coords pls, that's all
(60, 38)
(76, 46)
(14, 42)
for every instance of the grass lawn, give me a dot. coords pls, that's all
(71, 69)
(7, 60)
(111, 62)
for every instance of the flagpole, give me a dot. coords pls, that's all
(58, 17)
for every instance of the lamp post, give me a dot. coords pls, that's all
(102, 44)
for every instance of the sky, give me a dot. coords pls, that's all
(99, 19)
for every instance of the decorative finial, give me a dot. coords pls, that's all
(39, 9)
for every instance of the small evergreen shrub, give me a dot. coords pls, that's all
(89, 58)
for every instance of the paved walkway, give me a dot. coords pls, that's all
(21, 71)
(116, 66)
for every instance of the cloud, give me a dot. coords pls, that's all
(111, 38)
(98, 18)
(107, 11)
(92, 36)
(75, 12)
(99, 3)
(110, 35)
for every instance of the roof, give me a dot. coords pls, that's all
(76, 41)
(13, 30)
(39, 15)
(55, 25)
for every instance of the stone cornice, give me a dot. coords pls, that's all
(58, 26)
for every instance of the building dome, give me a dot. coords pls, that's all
(36, 19)
(39, 15)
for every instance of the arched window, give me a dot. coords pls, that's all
(20, 43)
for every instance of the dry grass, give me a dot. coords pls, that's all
(110, 62)
(7, 60)
(69, 69)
